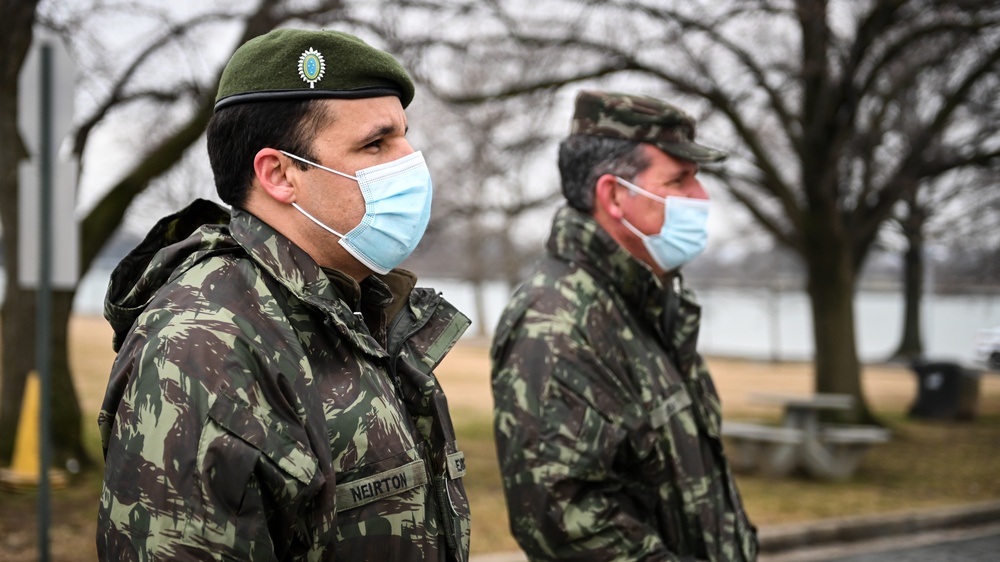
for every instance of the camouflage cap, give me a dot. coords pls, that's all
(295, 64)
(624, 116)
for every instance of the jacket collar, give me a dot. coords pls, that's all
(179, 241)
(338, 295)
(306, 279)
(577, 238)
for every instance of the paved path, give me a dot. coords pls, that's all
(985, 549)
(976, 544)
(960, 534)
(968, 545)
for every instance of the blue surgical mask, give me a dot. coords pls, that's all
(397, 209)
(684, 232)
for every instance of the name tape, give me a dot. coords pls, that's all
(382, 485)
(675, 403)
(456, 465)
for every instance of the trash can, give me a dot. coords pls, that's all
(945, 391)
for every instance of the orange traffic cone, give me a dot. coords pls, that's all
(25, 467)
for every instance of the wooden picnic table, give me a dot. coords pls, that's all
(803, 412)
(824, 451)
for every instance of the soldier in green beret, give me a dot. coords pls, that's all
(607, 423)
(274, 396)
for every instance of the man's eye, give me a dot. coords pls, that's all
(375, 144)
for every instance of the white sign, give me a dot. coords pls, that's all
(65, 257)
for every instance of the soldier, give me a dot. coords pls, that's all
(606, 419)
(273, 397)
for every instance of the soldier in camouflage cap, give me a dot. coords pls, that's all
(274, 396)
(607, 423)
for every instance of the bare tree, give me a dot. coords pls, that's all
(162, 82)
(963, 214)
(482, 158)
(174, 108)
(16, 31)
(835, 110)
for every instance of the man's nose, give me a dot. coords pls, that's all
(404, 149)
(696, 190)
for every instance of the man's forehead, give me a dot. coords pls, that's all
(346, 108)
(364, 117)
(667, 161)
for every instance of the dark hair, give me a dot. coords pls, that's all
(584, 158)
(236, 133)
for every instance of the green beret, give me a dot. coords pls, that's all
(295, 64)
(644, 119)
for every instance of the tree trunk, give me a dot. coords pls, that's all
(18, 332)
(479, 296)
(18, 311)
(67, 428)
(18, 358)
(831, 291)
(911, 345)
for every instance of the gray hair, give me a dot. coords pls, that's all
(584, 158)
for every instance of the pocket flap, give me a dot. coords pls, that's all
(288, 453)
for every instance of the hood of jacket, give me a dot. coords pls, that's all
(171, 246)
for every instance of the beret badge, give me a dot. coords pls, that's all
(311, 67)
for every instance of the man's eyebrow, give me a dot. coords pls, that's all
(687, 172)
(379, 132)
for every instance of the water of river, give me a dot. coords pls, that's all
(751, 323)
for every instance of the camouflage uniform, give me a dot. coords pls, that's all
(261, 408)
(606, 419)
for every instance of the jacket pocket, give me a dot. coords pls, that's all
(253, 477)
(287, 452)
(674, 420)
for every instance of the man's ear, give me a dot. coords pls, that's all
(606, 197)
(271, 169)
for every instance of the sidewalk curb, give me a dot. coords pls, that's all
(777, 539)
(782, 538)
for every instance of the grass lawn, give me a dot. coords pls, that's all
(926, 464)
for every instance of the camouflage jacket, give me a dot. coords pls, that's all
(262, 408)
(607, 422)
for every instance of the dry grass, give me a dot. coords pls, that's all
(927, 464)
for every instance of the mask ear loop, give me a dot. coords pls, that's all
(317, 221)
(303, 211)
(642, 235)
(321, 167)
(635, 188)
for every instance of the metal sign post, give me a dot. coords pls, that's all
(45, 90)
(44, 304)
